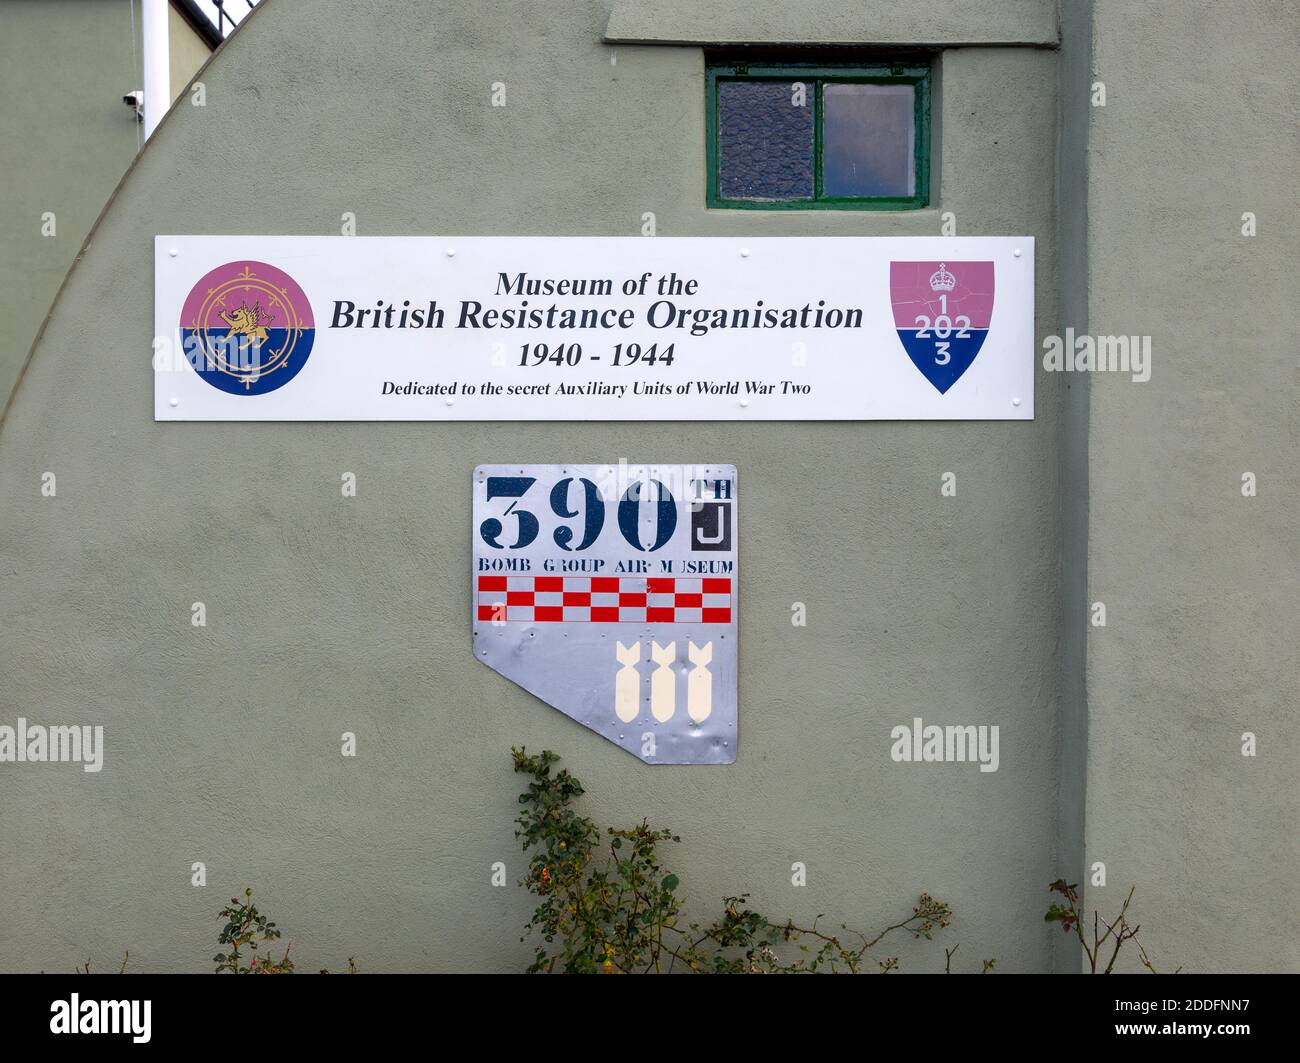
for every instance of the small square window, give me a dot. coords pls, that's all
(803, 136)
(765, 145)
(868, 140)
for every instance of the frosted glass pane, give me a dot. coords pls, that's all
(868, 140)
(765, 137)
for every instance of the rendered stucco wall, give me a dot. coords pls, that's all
(1199, 582)
(66, 138)
(1072, 300)
(187, 51)
(328, 614)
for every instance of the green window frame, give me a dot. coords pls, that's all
(818, 75)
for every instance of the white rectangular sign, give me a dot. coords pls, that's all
(333, 328)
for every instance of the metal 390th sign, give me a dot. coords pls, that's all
(610, 592)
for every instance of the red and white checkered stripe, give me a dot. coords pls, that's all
(604, 599)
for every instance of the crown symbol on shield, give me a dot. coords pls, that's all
(942, 280)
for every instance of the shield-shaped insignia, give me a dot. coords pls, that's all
(942, 312)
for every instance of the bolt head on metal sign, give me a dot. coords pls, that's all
(611, 593)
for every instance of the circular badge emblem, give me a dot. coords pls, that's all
(247, 328)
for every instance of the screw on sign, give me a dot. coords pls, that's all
(610, 592)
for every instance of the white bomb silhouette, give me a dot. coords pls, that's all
(663, 682)
(699, 684)
(627, 683)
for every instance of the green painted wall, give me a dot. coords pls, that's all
(328, 614)
(67, 139)
(186, 51)
(1199, 582)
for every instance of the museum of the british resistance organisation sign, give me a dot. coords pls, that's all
(335, 328)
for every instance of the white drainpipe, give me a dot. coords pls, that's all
(157, 65)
